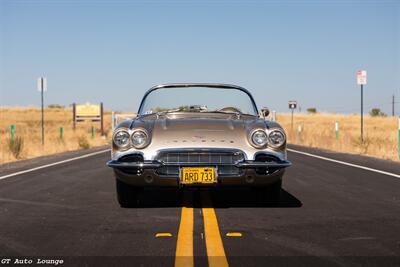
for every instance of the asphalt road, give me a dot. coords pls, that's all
(330, 214)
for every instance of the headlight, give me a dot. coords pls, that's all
(259, 138)
(121, 139)
(139, 139)
(276, 138)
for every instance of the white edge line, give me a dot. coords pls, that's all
(344, 163)
(53, 164)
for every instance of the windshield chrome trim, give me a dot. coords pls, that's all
(207, 85)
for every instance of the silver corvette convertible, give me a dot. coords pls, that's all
(196, 135)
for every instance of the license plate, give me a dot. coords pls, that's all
(197, 175)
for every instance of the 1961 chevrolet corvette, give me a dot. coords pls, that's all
(195, 134)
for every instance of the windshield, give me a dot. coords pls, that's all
(198, 99)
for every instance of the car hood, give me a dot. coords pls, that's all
(224, 131)
(199, 131)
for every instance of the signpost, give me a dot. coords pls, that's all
(292, 106)
(42, 87)
(362, 80)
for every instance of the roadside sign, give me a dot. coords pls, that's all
(42, 84)
(362, 80)
(88, 112)
(361, 77)
(292, 104)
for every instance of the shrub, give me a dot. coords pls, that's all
(15, 146)
(376, 112)
(83, 142)
(312, 110)
(364, 145)
(55, 106)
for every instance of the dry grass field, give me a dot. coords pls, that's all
(27, 123)
(318, 130)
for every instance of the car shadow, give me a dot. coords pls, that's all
(220, 198)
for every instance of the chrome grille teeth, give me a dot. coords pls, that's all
(219, 159)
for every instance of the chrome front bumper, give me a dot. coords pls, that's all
(233, 169)
(154, 164)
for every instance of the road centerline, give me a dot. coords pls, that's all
(184, 245)
(215, 248)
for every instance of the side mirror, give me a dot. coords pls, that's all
(265, 112)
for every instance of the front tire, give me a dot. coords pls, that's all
(127, 195)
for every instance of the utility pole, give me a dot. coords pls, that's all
(393, 106)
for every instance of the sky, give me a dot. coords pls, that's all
(113, 51)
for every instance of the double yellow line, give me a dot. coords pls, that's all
(184, 247)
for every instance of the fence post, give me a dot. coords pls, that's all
(299, 130)
(92, 132)
(337, 131)
(12, 128)
(61, 133)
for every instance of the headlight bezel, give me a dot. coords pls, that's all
(130, 144)
(125, 146)
(271, 144)
(145, 143)
(257, 145)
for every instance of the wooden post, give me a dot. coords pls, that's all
(101, 119)
(73, 115)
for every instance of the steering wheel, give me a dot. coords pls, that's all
(230, 109)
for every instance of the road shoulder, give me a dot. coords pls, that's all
(12, 167)
(366, 161)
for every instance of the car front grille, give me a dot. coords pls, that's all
(223, 160)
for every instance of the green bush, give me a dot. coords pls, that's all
(15, 146)
(83, 142)
(55, 106)
(312, 110)
(376, 112)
